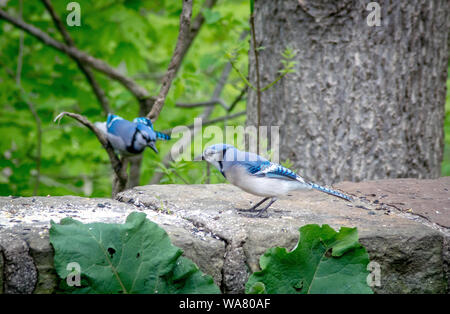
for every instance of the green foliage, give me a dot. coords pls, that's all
(136, 36)
(324, 261)
(134, 257)
(446, 161)
(138, 257)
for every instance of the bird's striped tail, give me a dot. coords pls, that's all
(330, 191)
(162, 136)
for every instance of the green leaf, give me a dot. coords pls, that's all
(134, 257)
(324, 261)
(257, 288)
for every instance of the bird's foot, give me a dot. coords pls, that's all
(257, 214)
(252, 209)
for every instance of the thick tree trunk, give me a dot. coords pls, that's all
(366, 102)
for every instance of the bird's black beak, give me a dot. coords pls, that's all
(152, 146)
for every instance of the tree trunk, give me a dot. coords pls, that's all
(366, 102)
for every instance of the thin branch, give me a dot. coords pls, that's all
(98, 91)
(213, 121)
(196, 25)
(20, 55)
(238, 99)
(37, 119)
(258, 84)
(215, 99)
(214, 102)
(242, 76)
(58, 23)
(211, 102)
(274, 82)
(138, 91)
(175, 61)
(204, 116)
(31, 106)
(183, 45)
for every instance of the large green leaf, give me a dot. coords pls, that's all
(324, 261)
(134, 257)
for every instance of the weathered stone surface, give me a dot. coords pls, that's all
(28, 219)
(227, 244)
(427, 198)
(427, 201)
(410, 253)
(1, 272)
(19, 271)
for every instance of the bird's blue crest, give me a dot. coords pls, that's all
(147, 122)
(144, 121)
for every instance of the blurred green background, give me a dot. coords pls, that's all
(138, 37)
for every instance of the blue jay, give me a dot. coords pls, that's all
(129, 138)
(258, 176)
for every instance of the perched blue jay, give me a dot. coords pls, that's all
(129, 138)
(258, 176)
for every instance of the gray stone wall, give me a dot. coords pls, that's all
(412, 250)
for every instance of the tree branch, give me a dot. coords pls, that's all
(211, 102)
(177, 57)
(258, 82)
(214, 102)
(31, 106)
(37, 119)
(190, 34)
(138, 91)
(204, 116)
(98, 91)
(213, 121)
(195, 28)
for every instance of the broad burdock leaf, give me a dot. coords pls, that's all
(324, 261)
(134, 257)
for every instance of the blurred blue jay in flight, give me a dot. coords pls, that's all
(130, 138)
(258, 176)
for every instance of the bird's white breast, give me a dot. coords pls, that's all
(261, 186)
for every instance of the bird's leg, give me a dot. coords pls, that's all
(264, 210)
(253, 208)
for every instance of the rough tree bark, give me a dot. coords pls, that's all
(366, 102)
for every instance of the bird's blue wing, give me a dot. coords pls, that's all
(270, 170)
(112, 118)
(120, 127)
(144, 121)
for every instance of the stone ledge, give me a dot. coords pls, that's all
(202, 221)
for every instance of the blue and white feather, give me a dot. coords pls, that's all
(127, 138)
